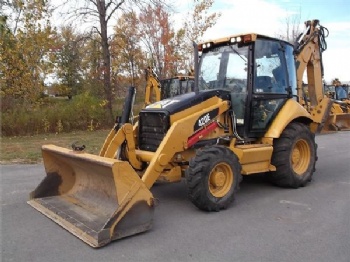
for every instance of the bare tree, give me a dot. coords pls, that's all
(291, 29)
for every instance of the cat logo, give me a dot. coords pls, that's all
(163, 103)
(155, 105)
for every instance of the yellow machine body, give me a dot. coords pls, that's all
(107, 197)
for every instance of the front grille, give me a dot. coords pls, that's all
(153, 126)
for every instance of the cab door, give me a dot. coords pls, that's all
(273, 83)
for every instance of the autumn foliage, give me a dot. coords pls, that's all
(58, 79)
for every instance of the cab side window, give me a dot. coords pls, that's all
(270, 74)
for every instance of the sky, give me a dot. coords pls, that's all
(268, 17)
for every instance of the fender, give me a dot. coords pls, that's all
(290, 111)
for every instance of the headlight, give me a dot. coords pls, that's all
(236, 39)
(206, 45)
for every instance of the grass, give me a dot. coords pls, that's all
(27, 149)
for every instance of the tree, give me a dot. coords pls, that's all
(68, 60)
(292, 30)
(24, 48)
(92, 65)
(197, 22)
(157, 35)
(127, 55)
(104, 11)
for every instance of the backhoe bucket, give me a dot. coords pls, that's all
(95, 198)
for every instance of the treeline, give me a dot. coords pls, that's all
(92, 63)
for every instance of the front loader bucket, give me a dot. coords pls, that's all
(97, 199)
(342, 121)
(337, 122)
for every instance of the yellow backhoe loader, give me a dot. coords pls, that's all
(247, 115)
(157, 90)
(339, 118)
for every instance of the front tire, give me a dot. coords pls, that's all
(213, 178)
(294, 156)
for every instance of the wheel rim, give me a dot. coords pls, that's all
(220, 180)
(301, 155)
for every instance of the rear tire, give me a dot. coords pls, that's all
(294, 156)
(213, 178)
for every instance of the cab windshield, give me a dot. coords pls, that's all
(224, 68)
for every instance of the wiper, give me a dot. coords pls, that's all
(242, 57)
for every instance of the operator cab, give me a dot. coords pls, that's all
(258, 71)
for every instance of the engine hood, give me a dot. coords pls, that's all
(182, 102)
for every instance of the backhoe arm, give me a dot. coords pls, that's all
(308, 55)
(153, 85)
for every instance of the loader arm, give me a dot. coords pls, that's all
(178, 138)
(114, 142)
